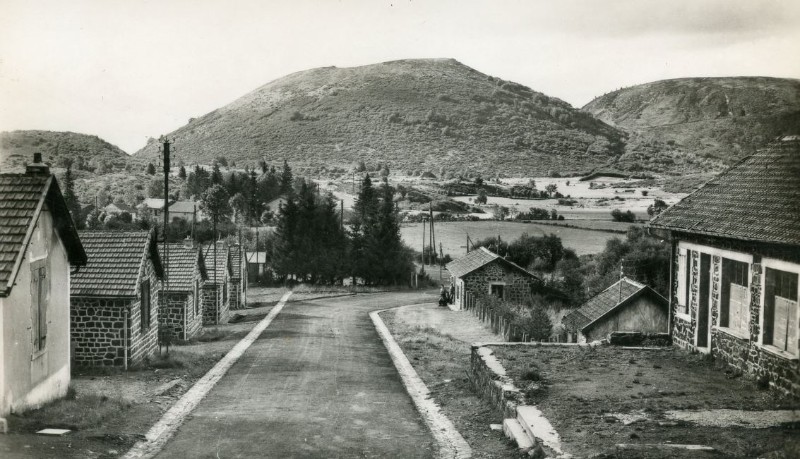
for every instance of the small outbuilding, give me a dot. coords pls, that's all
(256, 266)
(624, 306)
(38, 244)
(485, 272)
(181, 315)
(114, 299)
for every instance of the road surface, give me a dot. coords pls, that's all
(317, 383)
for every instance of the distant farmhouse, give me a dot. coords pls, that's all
(38, 243)
(736, 263)
(185, 210)
(624, 306)
(484, 272)
(181, 315)
(216, 305)
(114, 299)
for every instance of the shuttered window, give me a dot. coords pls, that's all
(144, 302)
(780, 310)
(735, 298)
(683, 280)
(40, 296)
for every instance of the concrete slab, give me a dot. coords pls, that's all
(514, 431)
(736, 418)
(55, 432)
(537, 426)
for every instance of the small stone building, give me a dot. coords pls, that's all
(484, 272)
(216, 306)
(181, 315)
(736, 266)
(114, 299)
(625, 306)
(38, 246)
(236, 294)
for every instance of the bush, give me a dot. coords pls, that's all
(619, 216)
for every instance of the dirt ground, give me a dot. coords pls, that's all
(437, 342)
(606, 396)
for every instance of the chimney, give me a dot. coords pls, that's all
(188, 242)
(37, 167)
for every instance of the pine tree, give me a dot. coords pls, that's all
(71, 199)
(393, 260)
(287, 179)
(216, 174)
(182, 173)
(363, 232)
(151, 169)
(284, 255)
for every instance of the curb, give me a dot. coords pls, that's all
(171, 420)
(451, 443)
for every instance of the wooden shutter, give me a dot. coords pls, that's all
(44, 299)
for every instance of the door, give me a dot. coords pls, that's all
(703, 305)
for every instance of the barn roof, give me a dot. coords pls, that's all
(223, 261)
(619, 294)
(478, 259)
(181, 263)
(22, 199)
(115, 259)
(758, 199)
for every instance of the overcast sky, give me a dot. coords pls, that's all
(128, 70)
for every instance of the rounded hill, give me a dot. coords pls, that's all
(426, 114)
(88, 151)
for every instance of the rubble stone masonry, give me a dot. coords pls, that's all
(516, 286)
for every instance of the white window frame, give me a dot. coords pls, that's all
(743, 258)
(779, 265)
(683, 289)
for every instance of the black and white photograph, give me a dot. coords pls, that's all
(437, 229)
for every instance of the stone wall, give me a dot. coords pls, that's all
(179, 317)
(215, 309)
(517, 286)
(490, 381)
(97, 329)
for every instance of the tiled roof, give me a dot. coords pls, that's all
(114, 261)
(181, 263)
(478, 259)
(618, 294)
(22, 198)
(757, 199)
(236, 261)
(222, 261)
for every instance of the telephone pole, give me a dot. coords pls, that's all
(166, 144)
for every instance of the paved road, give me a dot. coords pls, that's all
(317, 383)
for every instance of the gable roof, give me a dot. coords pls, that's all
(758, 199)
(115, 258)
(22, 198)
(236, 261)
(180, 266)
(223, 261)
(616, 296)
(184, 207)
(477, 259)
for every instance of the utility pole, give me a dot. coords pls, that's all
(166, 225)
(341, 214)
(621, 276)
(424, 223)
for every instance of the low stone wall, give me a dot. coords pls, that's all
(756, 363)
(489, 379)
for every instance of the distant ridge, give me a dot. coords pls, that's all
(17, 148)
(416, 114)
(720, 119)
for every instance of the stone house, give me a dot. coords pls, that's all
(185, 210)
(38, 244)
(181, 314)
(485, 272)
(216, 305)
(624, 306)
(735, 266)
(114, 299)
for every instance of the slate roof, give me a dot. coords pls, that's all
(758, 199)
(610, 299)
(180, 266)
(115, 258)
(22, 198)
(478, 259)
(222, 261)
(236, 261)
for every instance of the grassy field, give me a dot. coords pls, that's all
(453, 235)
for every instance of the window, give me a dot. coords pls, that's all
(40, 286)
(497, 290)
(145, 304)
(735, 304)
(780, 310)
(684, 280)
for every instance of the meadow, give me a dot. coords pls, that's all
(453, 235)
